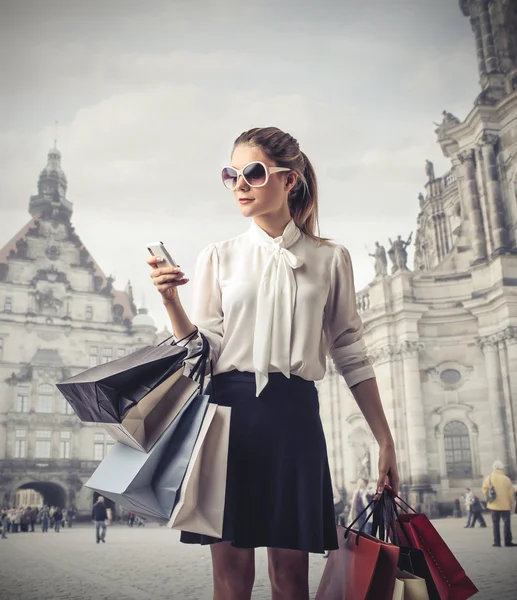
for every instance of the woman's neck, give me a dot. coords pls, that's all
(273, 225)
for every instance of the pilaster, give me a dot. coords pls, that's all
(474, 209)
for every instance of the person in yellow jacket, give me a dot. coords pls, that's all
(498, 490)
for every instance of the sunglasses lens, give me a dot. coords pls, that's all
(229, 176)
(255, 174)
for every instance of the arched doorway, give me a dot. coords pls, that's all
(109, 504)
(51, 493)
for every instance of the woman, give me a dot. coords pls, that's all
(272, 303)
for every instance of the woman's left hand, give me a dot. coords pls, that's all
(388, 471)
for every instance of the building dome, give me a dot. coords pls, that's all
(143, 319)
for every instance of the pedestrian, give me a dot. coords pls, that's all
(360, 500)
(498, 490)
(4, 520)
(70, 516)
(58, 518)
(477, 512)
(100, 516)
(339, 507)
(33, 517)
(272, 303)
(469, 494)
(44, 518)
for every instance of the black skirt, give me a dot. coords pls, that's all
(278, 490)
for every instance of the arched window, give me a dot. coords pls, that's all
(458, 456)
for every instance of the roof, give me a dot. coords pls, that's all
(119, 296)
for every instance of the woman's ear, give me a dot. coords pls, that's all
(291, 180)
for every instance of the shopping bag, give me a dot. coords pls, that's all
(409, 587)
(200, 508)
(364, 568)
(145, 422)
(148, 483)
(417, 531)
(412, 560)
(105, 393)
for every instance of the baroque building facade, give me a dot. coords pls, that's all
(444, 335)
(59, 315)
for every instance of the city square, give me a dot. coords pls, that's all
(149, 562)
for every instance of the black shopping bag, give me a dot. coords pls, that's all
(149, 483)
(105, 394)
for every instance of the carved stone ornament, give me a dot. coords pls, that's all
(52, 252)
(450, 375)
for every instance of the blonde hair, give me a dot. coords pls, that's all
(282, 149)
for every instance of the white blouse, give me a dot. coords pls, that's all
(279, 305)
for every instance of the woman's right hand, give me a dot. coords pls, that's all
(166, 279)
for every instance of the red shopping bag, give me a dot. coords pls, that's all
(364, 568)
(418, 532)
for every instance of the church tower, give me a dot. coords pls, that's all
(52, 187)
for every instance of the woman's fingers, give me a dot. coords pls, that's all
(167, 286)
(168, 278)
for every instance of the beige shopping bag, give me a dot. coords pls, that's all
(145, 422)
(200, 508)
(409, 587)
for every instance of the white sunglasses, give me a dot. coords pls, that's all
(255, 174)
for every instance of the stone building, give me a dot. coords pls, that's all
(444, 336)
(59, 315)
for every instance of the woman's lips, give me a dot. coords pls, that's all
(245, 200)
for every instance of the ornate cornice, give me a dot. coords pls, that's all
(496, 340)
(396, 351)
(466, 155)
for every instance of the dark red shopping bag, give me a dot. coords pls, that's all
(417, 531)
(364, 568)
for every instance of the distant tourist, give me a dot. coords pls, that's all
(360, 500)
(70, 516)
(33, 517)
(5, 520)
(44, 517)
(100, 516)
(58, 517)
(476, 511)
(498, 491)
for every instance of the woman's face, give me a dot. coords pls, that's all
(268, 200)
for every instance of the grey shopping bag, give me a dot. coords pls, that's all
(148, 483)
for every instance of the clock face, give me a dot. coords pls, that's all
(52, 252)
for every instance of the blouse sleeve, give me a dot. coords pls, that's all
(342, 323)
(207, 312)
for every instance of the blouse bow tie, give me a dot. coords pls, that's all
(275, 304)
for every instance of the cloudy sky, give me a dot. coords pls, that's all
(150, 95)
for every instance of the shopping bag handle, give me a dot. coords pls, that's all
(188, 337)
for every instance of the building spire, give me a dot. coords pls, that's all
(56, 131)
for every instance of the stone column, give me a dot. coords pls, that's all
(488, 38)
(473, 207)
(495, 206)
(480, 51)
(415, 415)
(510, 338)
(489, 345)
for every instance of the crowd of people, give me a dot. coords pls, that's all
(22, 520)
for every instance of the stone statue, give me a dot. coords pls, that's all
(449, 119)
(421, 199)
(363, 461)
(381, 262)
(429, 170)
(84, 257)
(398, 253)
(47, 301)
(109, 284)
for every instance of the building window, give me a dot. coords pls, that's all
(89, 313)
(121, 352)
(45, 402)
(94, 356)
(22, 399)
(64, 445)
(450, 376)
(43, 442)
(20, 443)
(66, 409)
(8, 304)
(98, 451)
(458, 456)
(107, 355)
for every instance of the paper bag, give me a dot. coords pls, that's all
(143, 424)
(409, 587)
(201, 505)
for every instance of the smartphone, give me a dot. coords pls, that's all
(158, 249)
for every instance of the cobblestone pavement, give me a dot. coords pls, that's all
(145, 563)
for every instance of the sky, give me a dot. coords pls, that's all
(149, 97)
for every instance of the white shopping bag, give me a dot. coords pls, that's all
(200, 508)
(409, 587)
